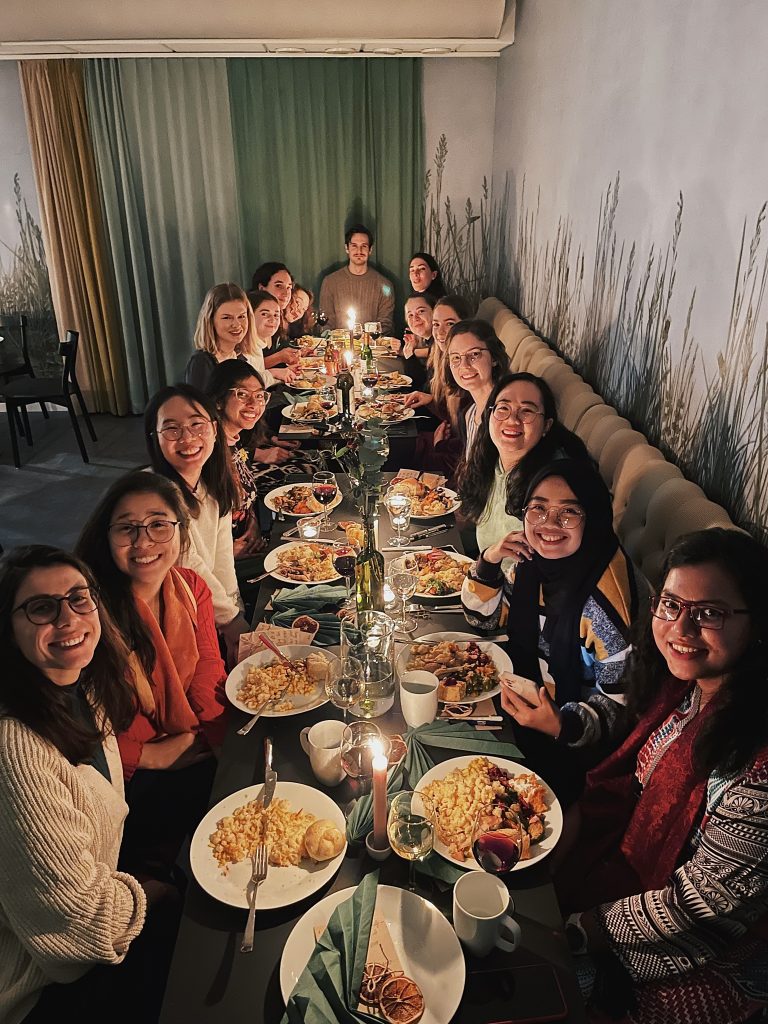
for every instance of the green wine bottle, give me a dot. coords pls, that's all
(345, 384)
(369, 572)
(366, 353)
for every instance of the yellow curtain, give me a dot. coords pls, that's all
(81, 277)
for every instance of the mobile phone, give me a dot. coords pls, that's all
(523, 687)
(529, 994)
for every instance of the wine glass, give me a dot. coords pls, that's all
(370, 378)
(399, 508)
(343, 688)
(321, 318)
(411, 829)
(496, 839)
(327, 399)
(373, 330)
(344, 559)
(324, 490)
(360, 742)
(403, 579)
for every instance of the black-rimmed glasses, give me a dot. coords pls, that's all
(46, 608)
(502, 411)
(160, 531)
(705, 616)
(568, 518)
(470, 358)
(199, 429)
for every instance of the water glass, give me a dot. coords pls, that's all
(343, 687)
(403, 579)
(368, 650)
(399, 508)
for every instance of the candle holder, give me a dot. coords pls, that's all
(374, 852)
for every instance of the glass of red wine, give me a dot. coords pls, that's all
(496, 839)
(344, 559)
(324, 490)
(369, 379)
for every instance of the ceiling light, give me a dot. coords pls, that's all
(436, 51)
(387, 51)
(341, 51)
(289, 49)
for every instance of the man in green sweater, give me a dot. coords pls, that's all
(357, 286)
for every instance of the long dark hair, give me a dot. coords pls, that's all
(28, 695)
(738, 725)
(114, 586)
(476, 478)
(216, 474)
(228, 375)
(264, 273)
(485, 334)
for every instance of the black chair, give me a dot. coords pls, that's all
(14, 353)
(56, 390)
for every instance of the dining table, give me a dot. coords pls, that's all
(212, 982)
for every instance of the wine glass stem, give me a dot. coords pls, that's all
(403, 614)
(412, 876)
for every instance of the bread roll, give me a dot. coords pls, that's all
(323, 840)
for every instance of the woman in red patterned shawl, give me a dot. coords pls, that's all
(670, 871)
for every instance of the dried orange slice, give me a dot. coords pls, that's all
(401, 1000)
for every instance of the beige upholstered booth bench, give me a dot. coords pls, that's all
(653, 503)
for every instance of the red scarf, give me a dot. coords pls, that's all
(628, 845)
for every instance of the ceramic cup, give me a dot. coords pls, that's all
(322, 744)
(418, 697)
(480, 905)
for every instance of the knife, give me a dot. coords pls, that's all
(270, 775)
(430, 532)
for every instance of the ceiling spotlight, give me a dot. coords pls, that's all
(341, 51)
(387, 51)
(436, 51)
(289, 49)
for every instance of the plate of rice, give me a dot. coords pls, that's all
(262, 676)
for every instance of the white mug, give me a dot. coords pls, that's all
(418, 697)
(322, 743)
(480, 904)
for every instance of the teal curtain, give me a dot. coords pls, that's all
(162, 137)
(321, 143)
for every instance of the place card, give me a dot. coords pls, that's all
(279, 635)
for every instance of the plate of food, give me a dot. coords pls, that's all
(393, 380)
(441, 573)
(422, 940)
(301, 562)
(463, 786)
(262, 676)
(467, 666)
(384, 409)
(427, 502)
(296, 500)
(311, 363)
(221, 846)
(310, 381)
(312, 411)
(307, 343)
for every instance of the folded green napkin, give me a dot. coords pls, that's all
(360, 818)
(453, 736)
(327, 991)
(304, 600)
(436, 867)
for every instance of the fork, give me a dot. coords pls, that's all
(258, 874)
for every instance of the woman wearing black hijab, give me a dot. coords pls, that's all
(567, 605)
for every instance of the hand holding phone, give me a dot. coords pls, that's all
(523, 687)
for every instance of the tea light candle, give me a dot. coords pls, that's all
(309, 529)
(379, 786)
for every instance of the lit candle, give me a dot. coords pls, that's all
(379, 766)
(349, 358)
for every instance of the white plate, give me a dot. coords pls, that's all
(384, 385)
(271, 562)
(499, 657)
(455, 503)
(425, 943)
(305, 702)
(282, 886)
(283, 489)
(553, 819)
(453, 593)
(327, 382)
(289, 413)
(407, 415)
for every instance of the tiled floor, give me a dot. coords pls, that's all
(51, 496)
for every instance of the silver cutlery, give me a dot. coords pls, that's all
(259, 711)
(258, 874)
(270, 775)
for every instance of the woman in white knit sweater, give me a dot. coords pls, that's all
(64, 906)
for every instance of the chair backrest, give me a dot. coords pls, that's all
(15, 325)
(68, 352)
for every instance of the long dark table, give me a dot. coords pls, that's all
(211, 982)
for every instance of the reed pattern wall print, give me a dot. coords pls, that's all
(25, 286)
(609, 312)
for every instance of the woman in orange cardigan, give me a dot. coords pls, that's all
(132, 542)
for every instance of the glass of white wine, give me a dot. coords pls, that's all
(343, 687)
(403, 578)
(399, 508)
(411, 829)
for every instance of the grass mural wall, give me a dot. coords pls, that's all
(606, 308)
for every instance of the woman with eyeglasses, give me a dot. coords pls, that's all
(519, 432)
(186, 445)
(669, 867)
(260, 460)
(475, 358)
(132, 542)
(75, 935)
(566, 606)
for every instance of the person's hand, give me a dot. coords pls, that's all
(245, 543)
(273, 456)
(410, 341)
(173, 752)
(596, 940)
(231, 636)
(158, 892)
(514, 545)
(416, 399)
(287, 374)
(544, 716)
(281, 442)
(395, 345)
(290, 356)
(442, 432)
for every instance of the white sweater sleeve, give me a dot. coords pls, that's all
(211, 555)
(66, 907)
